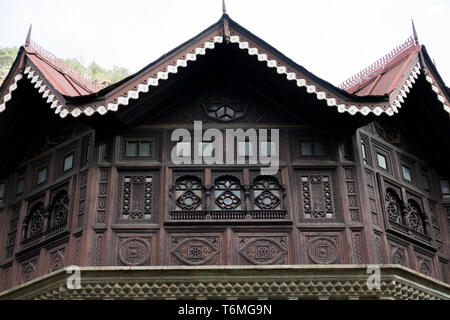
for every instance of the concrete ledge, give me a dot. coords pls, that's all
(242, 282)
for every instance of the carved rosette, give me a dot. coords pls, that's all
(259, 251)
(195, 251)
(323, 250)
(134, 251)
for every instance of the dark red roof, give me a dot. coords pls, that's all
(383, 76)
(65, 80)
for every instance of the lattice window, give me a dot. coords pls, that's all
(188, 193)
(137, 197)
(35, 222)
(266, 193)
(414, 216)
(227, 193)
(317, 197)
(393, 206)
(60, 209)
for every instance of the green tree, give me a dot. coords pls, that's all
(103, 77)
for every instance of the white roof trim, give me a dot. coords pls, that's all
(320, 95)
(10, 90)
(244, 45)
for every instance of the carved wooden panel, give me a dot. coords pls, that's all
(358, 248)
(57, 258)
(134, 250)
(317, 196)
(29, 270)
(6, 277)
(98, 249)
(82, 198)
(379, 248)
(269, 249)
(425, 265)
(352, 194)
(398, 254)
(195, 249)
(12, 232)
(137, 197)
(323, 249)
(102, 196)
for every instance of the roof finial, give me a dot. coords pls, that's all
(28, 40)
(416, 38)
(224, 7)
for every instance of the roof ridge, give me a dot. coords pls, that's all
(81, 79)
(369, 72)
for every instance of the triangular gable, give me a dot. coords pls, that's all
(395, 74)
(89, 102)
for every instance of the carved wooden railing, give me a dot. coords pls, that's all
(183, 215)
(411, 232)
(50, 233)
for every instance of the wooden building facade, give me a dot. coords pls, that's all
(87, 176)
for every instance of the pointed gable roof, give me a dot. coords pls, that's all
(379, 89)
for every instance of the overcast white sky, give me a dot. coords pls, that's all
(332, 39)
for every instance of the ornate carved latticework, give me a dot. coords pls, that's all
(379, 248)
(12, 233)
(41, 222)
(134, 251)
(317, 197)
(188, 193)
(37, 219)
(323, 250)
(137, 195)
(60, 210)
(227, 193)
(351, 186)
(357, 248)
(195, 251)
(102, 196)
(98, 260)
(393, 206)
(414, 216)
(82, 199)
(436, 227)
(262, 250)
(266, 193)
(372, 197)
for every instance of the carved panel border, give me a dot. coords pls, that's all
(195, 249)
(261, 248)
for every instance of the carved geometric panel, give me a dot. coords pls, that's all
(195, 250)
(262, 250)
(323, 249)
(398, 254)
(56, 259)
(425, 266)
(134, 251)
(316, 196)
(29, 270)
(137, 197)
(225, 104)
